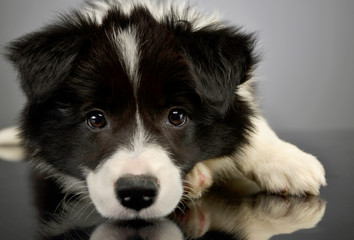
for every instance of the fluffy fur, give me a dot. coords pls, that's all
(141, 88)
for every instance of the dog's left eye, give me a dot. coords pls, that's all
(96, 120)
(177, 117)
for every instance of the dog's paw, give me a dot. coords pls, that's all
(290, 171)
(11, 148)
(198, 180)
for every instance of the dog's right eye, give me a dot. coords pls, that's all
(177, 117)
(96, 120)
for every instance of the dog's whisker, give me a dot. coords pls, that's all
(91, 212)
(60, 204)
(83, 210)
(79, 201)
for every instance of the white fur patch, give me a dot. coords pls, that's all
(140, 136)
(128, 50)
(9, 136)
(150, 160)
(245, 90)
(10, 145)
(159, 10)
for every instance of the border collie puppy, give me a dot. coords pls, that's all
(137, 102)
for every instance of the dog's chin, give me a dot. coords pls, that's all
(151, 161)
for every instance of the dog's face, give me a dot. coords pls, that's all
(127, 105)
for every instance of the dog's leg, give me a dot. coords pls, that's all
(279, 167)
(275, 165)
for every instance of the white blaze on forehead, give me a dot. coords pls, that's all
(140, 137)
(127, 44)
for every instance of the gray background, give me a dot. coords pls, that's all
(308, 47)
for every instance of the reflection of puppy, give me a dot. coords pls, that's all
(126, 97)
(158, 230)
(259, 217)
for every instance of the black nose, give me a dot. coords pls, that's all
(137, 192)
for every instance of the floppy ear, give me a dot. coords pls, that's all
(44, 59)
(221, 59)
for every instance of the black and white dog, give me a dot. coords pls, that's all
(138, 102)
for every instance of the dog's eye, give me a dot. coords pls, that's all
(177, 117)
(96, 120)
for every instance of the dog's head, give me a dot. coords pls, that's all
(125, 100)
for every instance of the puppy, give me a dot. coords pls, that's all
(136, 102)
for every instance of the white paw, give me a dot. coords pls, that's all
(198, 180)
(289, 171)
(11, 148)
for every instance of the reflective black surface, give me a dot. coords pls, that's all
(33, 208)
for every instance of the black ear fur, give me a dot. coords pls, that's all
(221, 58)
(45, 58)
